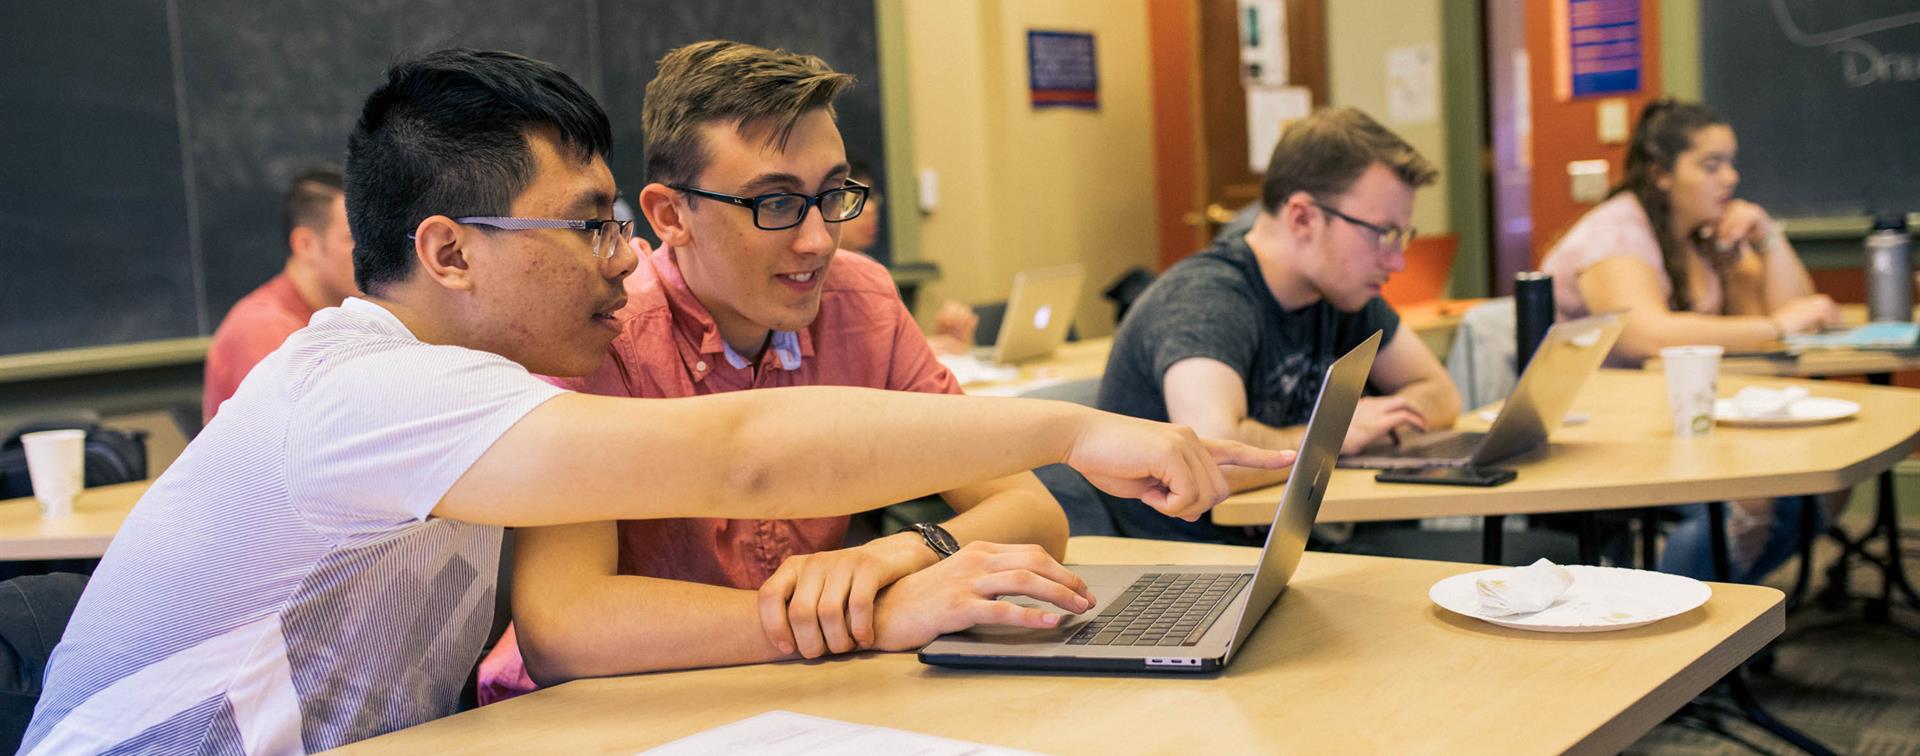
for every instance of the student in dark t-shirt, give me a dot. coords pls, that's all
(1234, 341)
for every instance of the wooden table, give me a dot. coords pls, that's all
(1434, 322)
(1354, 658)
(1626, 456)
(97, 514)
(1822, 363)
(1073, 361)
(1878, 367)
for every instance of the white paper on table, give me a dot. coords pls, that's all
(1269, 111)
(968, 369)
(1017, 389)
(784, 733)
(1413, 84)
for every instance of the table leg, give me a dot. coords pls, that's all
(1589, 524)
(1717, 541)
(1750, 706)
(1492, 530)
(1888, 520)
(1737, 680)
(1649, 539)
(1809, 519)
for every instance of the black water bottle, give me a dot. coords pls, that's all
(1532, 314)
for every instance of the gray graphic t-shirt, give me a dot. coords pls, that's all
(1216, 305)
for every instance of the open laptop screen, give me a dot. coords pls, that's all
(1346, 379)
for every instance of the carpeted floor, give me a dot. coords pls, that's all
(1850, 683)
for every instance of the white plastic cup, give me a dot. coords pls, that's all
(56, 463)
(1693, 374)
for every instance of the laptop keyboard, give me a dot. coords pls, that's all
(1458, 446)
(1163, 609)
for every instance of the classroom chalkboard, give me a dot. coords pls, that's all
(1824, 96)
(146, 141)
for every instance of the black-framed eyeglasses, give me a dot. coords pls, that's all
(1385, 238)
(780, 211)
(605, 244)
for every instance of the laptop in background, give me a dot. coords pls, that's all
(1569, 354)
(1180, 618)
(1039, 312)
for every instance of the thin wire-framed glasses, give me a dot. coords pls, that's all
(1385, 238)
(779, 211)
(605, 243)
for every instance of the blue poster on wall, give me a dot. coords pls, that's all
(1604, 46)
(1061, 70)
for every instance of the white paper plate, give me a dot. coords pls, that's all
(1812, 410)
(1601, 599)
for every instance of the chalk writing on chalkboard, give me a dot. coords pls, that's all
(1823, 95)
(1861, 63)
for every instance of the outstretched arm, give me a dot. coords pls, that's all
(817, 451)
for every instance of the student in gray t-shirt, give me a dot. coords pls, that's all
(1234, 341)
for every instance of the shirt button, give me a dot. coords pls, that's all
(700, 366)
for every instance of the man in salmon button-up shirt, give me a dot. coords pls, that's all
(749, 290)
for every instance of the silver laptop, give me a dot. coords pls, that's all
(1179, 618)
(1567, 357)
(1038, 313)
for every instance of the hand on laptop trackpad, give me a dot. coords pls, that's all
(1010, 635)
(1069, 624)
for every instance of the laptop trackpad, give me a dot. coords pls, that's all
(1010, 635)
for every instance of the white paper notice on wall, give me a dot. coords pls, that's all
(1263, 42)
(1269, 111)
(1413, 84)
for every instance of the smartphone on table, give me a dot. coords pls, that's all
(1448, 476)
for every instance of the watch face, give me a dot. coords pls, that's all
(938, 538)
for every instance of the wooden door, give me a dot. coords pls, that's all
(1200, 111)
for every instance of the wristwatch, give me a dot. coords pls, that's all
(937, 538)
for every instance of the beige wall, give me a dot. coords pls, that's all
(1021, 188)
(1359, 35)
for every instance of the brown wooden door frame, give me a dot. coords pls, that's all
(1200, 111)
(1172, 36)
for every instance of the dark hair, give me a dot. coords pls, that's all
(860, 170)
(1665, 130)
(1324, 153)
(309, 198)
(718, 80)
(447, 134)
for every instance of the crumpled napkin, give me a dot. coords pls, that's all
(1755, 401)
(1522, 590)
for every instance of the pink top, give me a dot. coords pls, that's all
(1614, 228)
(670, 346)
(256, 326)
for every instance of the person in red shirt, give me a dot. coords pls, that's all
(750, 193)
(319, 273)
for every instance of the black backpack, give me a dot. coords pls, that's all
(113, 456)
